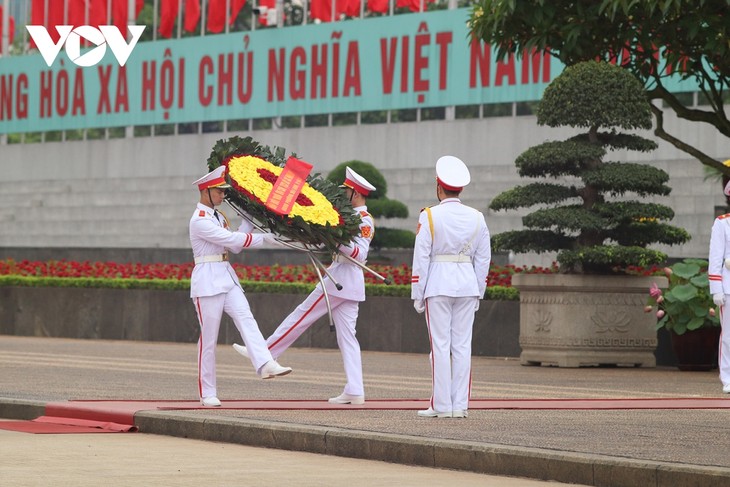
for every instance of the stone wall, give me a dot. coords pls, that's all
(385, 324)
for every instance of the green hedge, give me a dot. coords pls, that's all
(497, 293)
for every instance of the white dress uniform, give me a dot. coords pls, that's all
(344, 303)
(215, 288)
(719, 277)
(451, 262)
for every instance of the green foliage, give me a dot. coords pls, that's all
(296, 228)
(521, 241)
(530, 195)
(591, 234)
(687, 303)
(495, 293)
(557, 158)
(607, 259)
(652, 39)
(616, 141)
(366, 170)
(393, 238)
(616, 99)
(617, 178)
(385, 208)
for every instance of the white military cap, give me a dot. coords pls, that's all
(214, 179)
(354, 181)
(451, 173)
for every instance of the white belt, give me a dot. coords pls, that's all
(458, 258)
(211, 258)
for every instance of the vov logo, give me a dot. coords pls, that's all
(105, 35)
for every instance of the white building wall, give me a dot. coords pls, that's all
(137, 192)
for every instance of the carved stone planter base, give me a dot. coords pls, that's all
(583, 320)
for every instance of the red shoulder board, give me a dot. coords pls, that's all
(202, 213)
(722, 217)
(363, 214)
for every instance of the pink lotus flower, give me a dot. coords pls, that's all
(668, 271)
(660, 299)
(660, 314)
(648, 309)
(654, 291)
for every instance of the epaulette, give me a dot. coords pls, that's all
(722, 217)
(363, 214)
(201, 213)
(424, 208)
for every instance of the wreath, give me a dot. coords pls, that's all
(322, 214)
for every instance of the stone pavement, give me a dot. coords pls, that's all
(624, 447)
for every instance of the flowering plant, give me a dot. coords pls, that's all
(687, 303)
(321, 214)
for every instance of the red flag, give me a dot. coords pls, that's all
(97, 12)
(192, 15)
(414, 5)
(120, 13)
(76, 13)
(216, 15)
(322, 9)
(380, 6)
(236, 6)
(168, 14)
(47, 18)
(269, 4)
(11, 28)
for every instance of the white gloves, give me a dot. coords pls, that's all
(419, 305)
(476, 306)
(719, 299)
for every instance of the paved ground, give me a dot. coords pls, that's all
(591, 447)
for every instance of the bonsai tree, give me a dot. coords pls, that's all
(575, 217)
(379, 205)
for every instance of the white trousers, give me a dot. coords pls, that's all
(723, 354)
(210, 311)
(450, 321)
(344, 315)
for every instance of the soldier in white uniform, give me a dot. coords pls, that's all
(344, 303)
(449, 276)
(718, 273)
(214, 285)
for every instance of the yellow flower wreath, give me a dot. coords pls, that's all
(255, 177)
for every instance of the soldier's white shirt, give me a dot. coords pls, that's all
(211, 236)
(350, 275)
(457, 228)
(718, 273)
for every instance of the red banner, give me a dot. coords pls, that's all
(288, 186)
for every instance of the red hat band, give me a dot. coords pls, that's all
(360, 189)
(447, 187)
(212, 183)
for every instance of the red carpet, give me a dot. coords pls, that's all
(47, 424)
(95, 416)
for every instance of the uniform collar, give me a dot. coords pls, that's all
(361, 208)
(450, 200)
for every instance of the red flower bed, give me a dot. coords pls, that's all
(498, 275)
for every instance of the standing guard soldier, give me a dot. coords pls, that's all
(344, 303)
(718, 273)
(449, 276)
(214, 285)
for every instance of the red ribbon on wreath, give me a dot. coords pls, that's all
(288, 186)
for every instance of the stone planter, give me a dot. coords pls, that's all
(586, 320)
